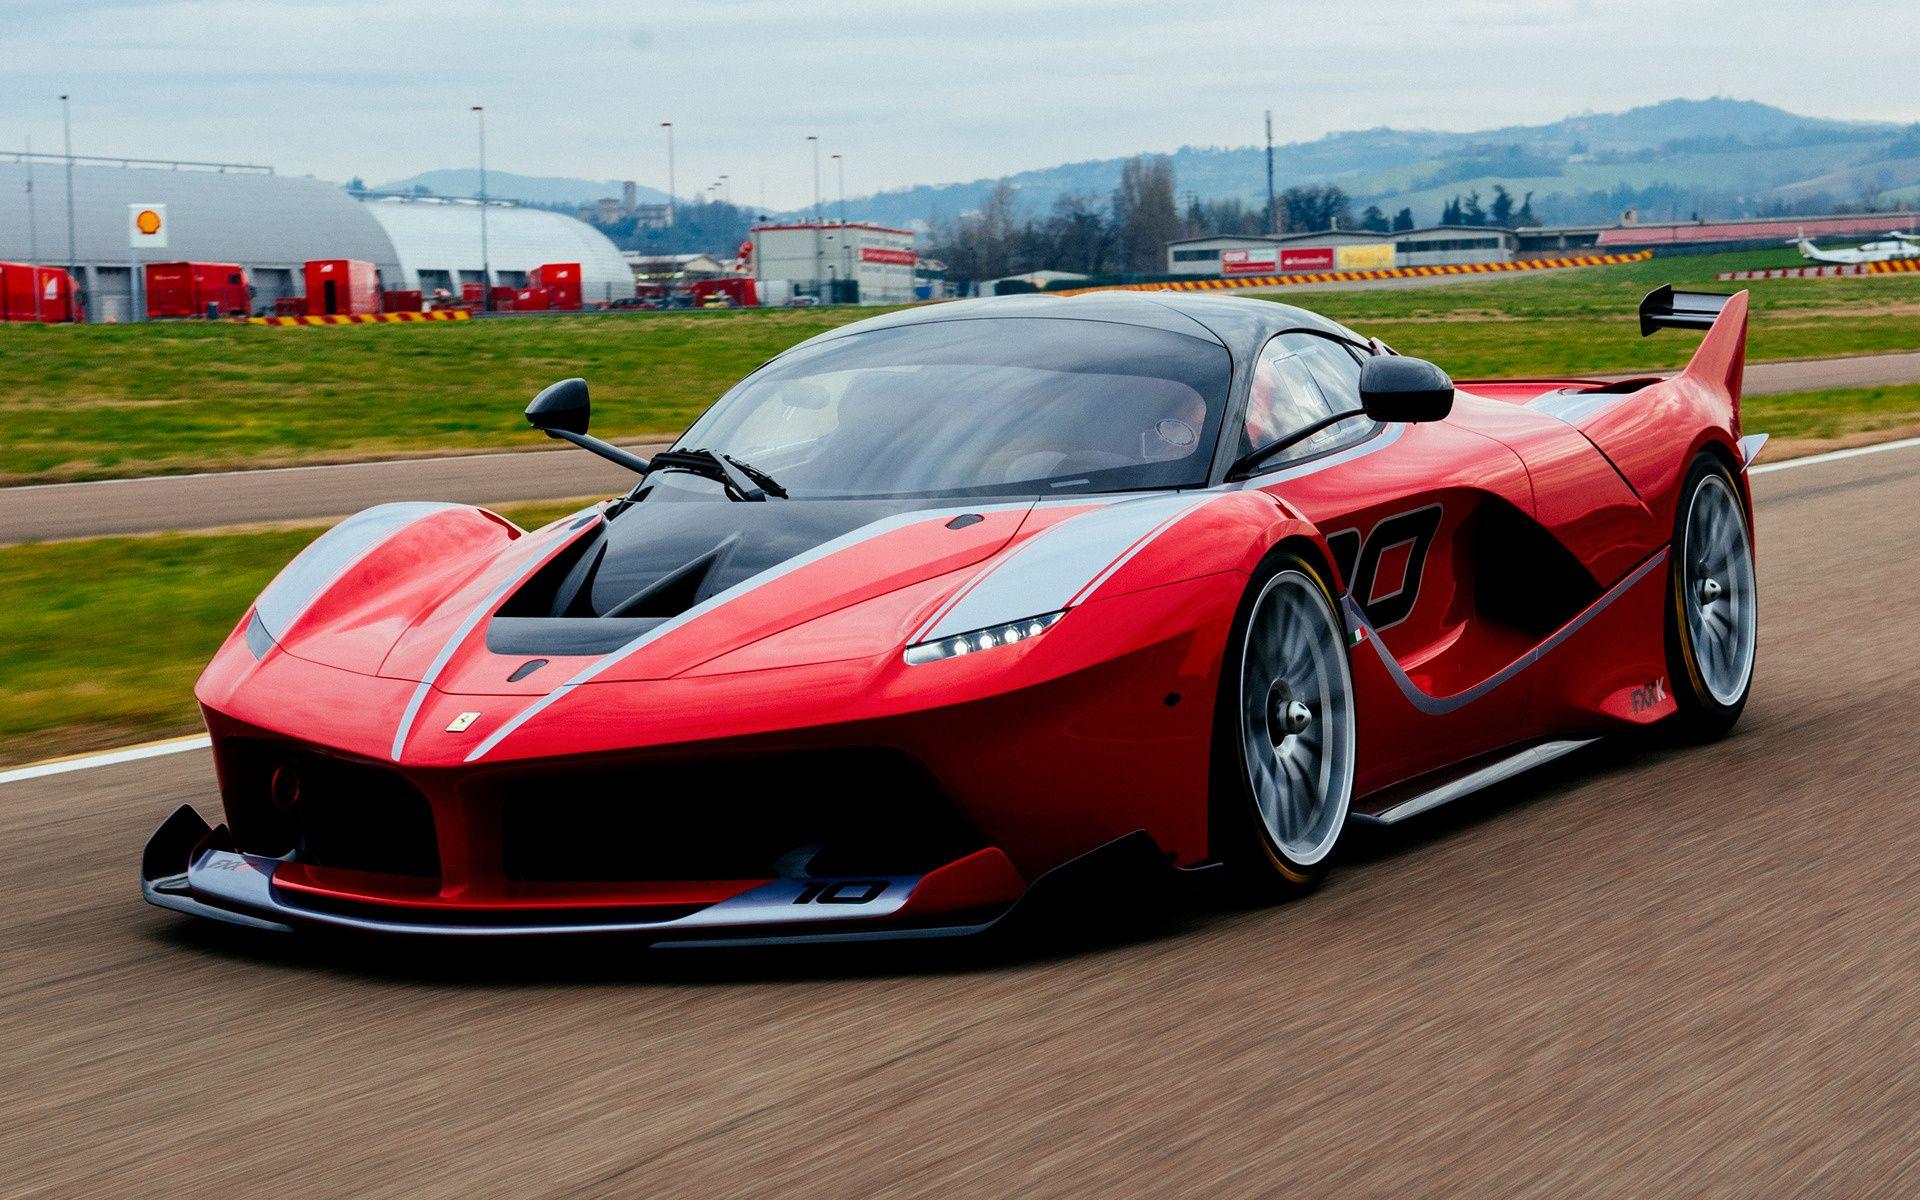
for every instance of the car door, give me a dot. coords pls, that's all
(1413, 515)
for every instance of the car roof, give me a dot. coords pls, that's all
(1240, 324)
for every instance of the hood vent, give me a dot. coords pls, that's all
(553, 612)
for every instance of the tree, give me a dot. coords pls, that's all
(1525, 216)
(1403, 220)
(1373, 219)
(1144, 216)
(1501, 211)
(1312, 209)
(1450, 215)
(980, 245)
(1077, 236)
(1471, 213)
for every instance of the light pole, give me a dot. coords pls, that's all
(668, 126)
(818, 254)
(486, 262)
(33, 236)
(73, 263)
(726, 190)
(846, 247)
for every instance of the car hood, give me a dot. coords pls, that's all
(464, 602)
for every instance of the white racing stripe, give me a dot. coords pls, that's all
(127, 754)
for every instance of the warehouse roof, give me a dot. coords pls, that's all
(258, 219)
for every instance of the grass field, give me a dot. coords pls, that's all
(104, 401)
(101, 639)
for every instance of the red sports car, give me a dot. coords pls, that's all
(936, 605)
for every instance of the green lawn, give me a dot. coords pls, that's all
(104, 401)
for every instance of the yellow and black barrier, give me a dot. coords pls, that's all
(1302, 278)
(1893, 266)
(439, 314)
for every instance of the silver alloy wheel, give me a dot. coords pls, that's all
(1718, 593)
(1296, 717)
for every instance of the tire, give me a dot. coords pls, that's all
(1284, 732)
(1712, 604)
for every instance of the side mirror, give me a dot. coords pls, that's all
(1393, 388)
(561, 408)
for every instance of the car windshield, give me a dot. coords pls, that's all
(992, 406)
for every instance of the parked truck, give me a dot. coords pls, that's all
(29, 292)
(197, 289)
(342, 287)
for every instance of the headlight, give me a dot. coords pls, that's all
(982, 639)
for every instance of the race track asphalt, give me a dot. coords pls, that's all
(154, 504)
(1642, 972)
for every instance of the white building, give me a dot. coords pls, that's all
(819, 259)
(437, 244)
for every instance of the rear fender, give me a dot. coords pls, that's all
(1698, 408)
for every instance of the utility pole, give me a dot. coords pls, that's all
(668, 126)
(1273, 217)
(819, 272)
(726, 190)
(33, 236)
(73, 263)
(486, 263)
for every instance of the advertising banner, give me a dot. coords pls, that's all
(1307, 258)
(1249, 262)
(1375, 257)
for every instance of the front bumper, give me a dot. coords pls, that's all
(193, 868)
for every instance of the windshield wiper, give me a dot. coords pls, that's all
(741, 481)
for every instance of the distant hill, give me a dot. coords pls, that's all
(505, 185)
(1716, 156)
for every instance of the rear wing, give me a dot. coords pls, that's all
(1664, 308)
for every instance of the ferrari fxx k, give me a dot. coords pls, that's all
(935, 605)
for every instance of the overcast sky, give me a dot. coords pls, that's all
(908, 92)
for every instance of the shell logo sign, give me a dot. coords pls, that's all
(147, 226)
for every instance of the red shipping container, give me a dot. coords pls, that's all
(342, 287)
(560, 281)
(530, 299)
(289, 306)
(29, 293)
(185, 289)
(400, 301)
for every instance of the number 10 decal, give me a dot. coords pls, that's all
(1358, 561)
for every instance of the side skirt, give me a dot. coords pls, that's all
(1430, 795)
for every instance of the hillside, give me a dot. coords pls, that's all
(1717, 156)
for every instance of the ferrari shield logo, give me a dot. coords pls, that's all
(459, 724)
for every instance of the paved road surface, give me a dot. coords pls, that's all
(304, 493)
(1644, 973)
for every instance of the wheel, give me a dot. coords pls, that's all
(1284, 768)
(1712, 604)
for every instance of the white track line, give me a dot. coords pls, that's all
(62, 766)
(106, 758)
(1834, 456)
